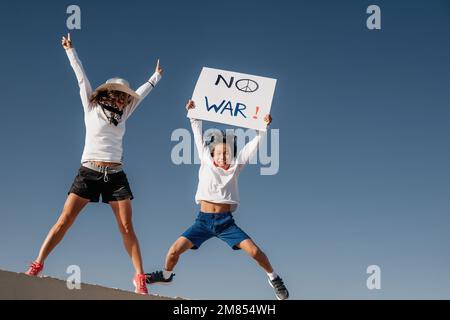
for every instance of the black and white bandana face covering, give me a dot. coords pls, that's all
(113, 114)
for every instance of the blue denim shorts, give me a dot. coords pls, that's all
(220, 225)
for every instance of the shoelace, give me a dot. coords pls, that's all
(141, 283)
(157, 275)
(35, 266)
(278, 283)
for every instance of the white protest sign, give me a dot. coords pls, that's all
(232, 98)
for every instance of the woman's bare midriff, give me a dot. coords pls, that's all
(211, 207)
(105, 164)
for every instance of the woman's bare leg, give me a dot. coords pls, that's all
(73, 206)
(123, 212)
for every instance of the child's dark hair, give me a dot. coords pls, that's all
(220, 136)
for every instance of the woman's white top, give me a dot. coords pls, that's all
(215, 184)
(103, 140)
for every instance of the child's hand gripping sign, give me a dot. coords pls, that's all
(233, 98)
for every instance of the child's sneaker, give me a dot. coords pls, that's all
(139, 284)
(35, 269)
(158, 277)
(280, 289)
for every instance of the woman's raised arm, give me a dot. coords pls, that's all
(83, 81)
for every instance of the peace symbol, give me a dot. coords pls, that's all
(247, 85)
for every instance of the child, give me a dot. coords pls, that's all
(101, 173)
(218, 197)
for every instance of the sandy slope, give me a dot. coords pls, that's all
(19, 286)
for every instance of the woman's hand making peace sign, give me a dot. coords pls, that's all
(66, 42)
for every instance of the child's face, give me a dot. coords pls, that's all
(222, 155)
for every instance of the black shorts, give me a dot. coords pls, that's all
(90, 184)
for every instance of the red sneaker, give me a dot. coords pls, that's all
(140, 284)
(35, 269)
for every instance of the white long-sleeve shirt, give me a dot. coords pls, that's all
(215, 184)
(103, 141)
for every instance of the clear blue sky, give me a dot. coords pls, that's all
(364, 151)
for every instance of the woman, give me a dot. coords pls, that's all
(101, 173)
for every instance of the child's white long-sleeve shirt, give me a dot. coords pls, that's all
(103, 141)
(215, 184)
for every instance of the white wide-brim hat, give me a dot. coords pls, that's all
(118, 84)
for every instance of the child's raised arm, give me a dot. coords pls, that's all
(145, 89)
(250, 148)
(83, 81)
(196, 130)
